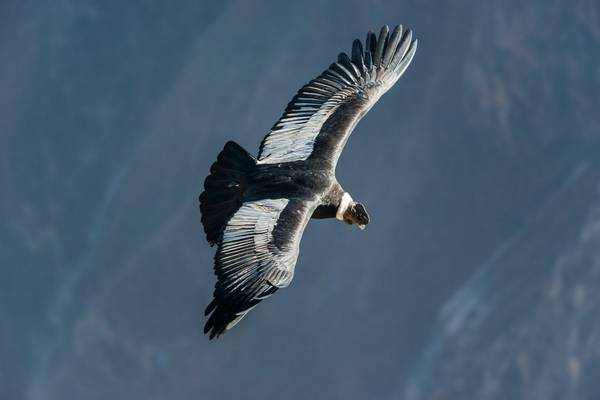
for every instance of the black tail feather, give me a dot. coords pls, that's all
(223, 189)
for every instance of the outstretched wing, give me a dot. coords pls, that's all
(256, 256)
(319, 119)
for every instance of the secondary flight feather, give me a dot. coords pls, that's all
(255, 209)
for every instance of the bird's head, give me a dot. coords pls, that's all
(356, 214)
(352, 212)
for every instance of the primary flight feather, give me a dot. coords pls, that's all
(255, 209)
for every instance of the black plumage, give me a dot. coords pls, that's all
(256, 209)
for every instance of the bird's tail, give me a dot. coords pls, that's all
(223, 189)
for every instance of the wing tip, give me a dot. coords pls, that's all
(380, 48)
(224, 316)
(388, 49)
(216, 324)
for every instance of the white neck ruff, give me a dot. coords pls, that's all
(344, 204)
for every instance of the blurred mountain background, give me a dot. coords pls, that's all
(478, 277)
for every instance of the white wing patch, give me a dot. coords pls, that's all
(255, 258)
(361, 79)
(248, 243)
(293, 136)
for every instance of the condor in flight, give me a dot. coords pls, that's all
(255, 209)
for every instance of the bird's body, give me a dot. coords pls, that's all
(301, 180)
(256, 209)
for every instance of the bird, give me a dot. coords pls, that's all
(255, 209)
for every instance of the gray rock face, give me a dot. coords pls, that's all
(477, 277)
(523, 326)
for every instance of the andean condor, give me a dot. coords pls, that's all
(255, 209)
